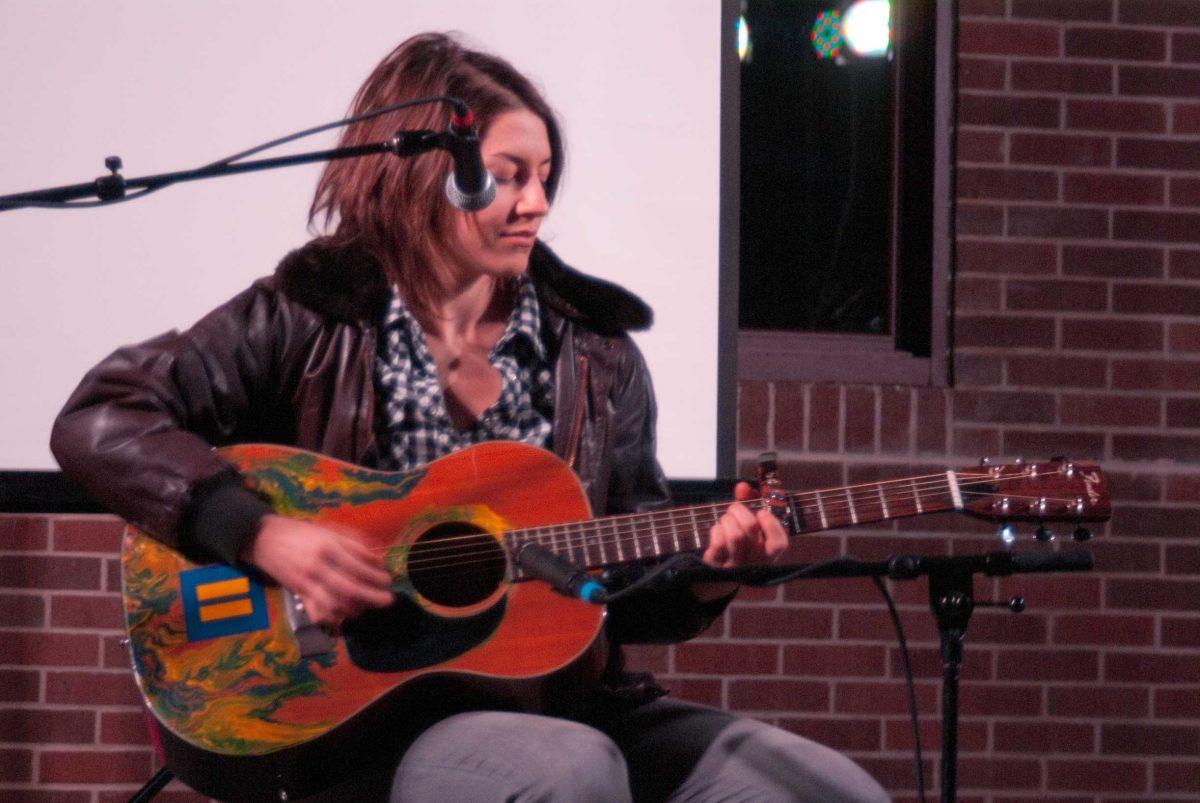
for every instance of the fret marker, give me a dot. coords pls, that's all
(603, 554)
(821, 511)
(916, 496)
(883, 502)
(853, 512)
(955, 493)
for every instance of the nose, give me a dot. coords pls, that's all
(532, 201)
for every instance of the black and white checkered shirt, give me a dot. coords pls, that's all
(415, 425)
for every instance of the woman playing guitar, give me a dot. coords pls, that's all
(413, 330)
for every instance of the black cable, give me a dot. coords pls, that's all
(458, 105)
(681, 562)
(908, 682)
(672, 564)
(811, 569)
(455, 102)
(688, 560)
(904, 659)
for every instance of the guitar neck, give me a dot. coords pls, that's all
(612, 540)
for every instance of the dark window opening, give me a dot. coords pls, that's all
(837, 176)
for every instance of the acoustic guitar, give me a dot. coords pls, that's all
(256, 702)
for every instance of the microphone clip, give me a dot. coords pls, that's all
(560, 574)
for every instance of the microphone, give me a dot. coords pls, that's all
(470, 187)
(563, 576)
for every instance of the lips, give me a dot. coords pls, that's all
(521, 238)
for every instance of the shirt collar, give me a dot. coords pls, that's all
(524, 322)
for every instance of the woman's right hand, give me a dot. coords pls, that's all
(335, 576)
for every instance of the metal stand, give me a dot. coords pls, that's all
(115, 186)
(951, 597)
(153, 786)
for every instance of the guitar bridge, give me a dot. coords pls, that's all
(309, 636)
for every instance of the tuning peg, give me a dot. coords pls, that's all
(1082, 533)
(1007, 533)
(1044, 533)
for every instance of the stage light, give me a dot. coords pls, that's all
(744, 47)
(826, 34)
(867, 27)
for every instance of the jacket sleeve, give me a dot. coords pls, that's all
(138, 433)
(637, 484)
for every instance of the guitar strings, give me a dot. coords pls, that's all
(835, 505)
(667, 518)
(587, 543)
(435, 554)
(492, 559)
(914, 486)
(492, 555)
(608, 531)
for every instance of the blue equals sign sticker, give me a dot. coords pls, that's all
(221, 601)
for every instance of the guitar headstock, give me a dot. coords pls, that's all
(1057, 490)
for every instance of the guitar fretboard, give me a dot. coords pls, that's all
(612, 540)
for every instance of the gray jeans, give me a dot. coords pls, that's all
(665, 750)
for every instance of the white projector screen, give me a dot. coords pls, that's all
(169, 86)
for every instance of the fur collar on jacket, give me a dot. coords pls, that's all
(345, 283)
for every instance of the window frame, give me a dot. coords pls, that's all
(848, 357)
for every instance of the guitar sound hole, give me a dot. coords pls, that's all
(456, 564)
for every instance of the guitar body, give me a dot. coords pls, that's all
(253, 702)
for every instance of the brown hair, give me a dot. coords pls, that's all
(396, 208)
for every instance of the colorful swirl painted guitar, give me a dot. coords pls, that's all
(254, 701)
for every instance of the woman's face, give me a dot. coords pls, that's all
(496, 240)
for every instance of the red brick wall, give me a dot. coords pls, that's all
(1077, 291)
(71, 724)
(1077, 295)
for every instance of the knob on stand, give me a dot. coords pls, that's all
(111, 187)
(1016, 604)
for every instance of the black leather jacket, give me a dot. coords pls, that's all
(290, 361)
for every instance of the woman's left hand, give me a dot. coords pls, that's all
(740, 537)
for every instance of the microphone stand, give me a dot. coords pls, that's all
(951, 598)
(113, 187)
